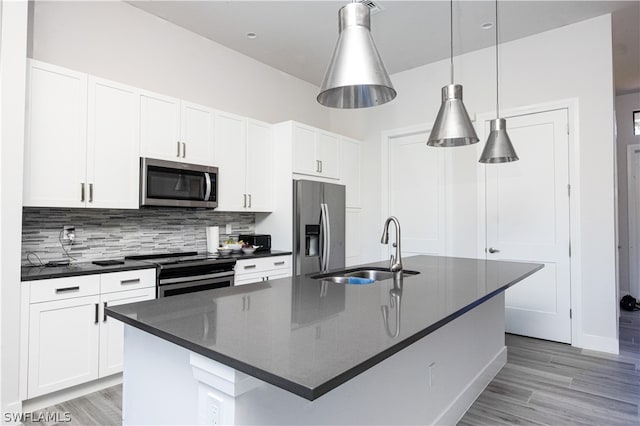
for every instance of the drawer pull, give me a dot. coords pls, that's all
(249, 266)
(65, 289)
(132, 281)
(278, 263)
(97, 314)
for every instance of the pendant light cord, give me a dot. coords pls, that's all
(451, 35)
(497, 67)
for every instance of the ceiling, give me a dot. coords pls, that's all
(298, 37)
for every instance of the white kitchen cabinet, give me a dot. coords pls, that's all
(56, 135)
(262, 269)
(70, 340)
(242, 148)
(175, 130)
(82, 140)
(315, 151)
(352, 246)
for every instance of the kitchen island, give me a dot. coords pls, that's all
(306, 351)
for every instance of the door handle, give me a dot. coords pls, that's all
(104, 313)
(244, 203)
(320, 166)
(493, 250)
(95, 321)
(91, 193)
(249, 201)
(82, 192)
(178, 153)
(184, 150)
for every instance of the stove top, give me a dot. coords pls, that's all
(180, 257)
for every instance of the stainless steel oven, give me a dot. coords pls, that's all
(172, 184)
(188, 272)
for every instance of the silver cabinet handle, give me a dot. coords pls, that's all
(278, 263)
(95, 321)
(244, 203)
(493, 250)
(184, 150)
(82, 192)
(320, 166)
(249, 266)
(91, 193)
(249, 201)
(131, 281)
(65, 289)
(104, 313)
(178, 153)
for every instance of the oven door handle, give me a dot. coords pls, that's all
(195, 278)
(207, 193)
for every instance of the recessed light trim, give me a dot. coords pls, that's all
(252, 35)
(487, 25)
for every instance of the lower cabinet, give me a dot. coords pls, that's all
(70, 339)
(262, 269)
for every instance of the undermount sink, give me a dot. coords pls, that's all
(360, 275)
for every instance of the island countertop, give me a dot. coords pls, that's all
(309, 336)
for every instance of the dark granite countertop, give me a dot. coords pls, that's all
(31, 273)
(309, 336)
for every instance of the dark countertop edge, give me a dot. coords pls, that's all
(58, 272)
(75, 273)
(301, 390)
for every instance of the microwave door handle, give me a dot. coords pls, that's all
(207, 179)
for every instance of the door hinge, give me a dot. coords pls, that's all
(570, 313)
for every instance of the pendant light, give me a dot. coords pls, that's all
(498, 148)
(356, 76)
(452, 126)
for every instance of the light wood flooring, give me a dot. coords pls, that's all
(543, 383)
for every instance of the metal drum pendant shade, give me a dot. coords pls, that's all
(452, 126)
(498, 148)
(356, 76)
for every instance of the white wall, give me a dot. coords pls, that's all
(13, 45)
(117, 41)
(625, 105)
(569, 62)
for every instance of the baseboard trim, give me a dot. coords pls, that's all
(63, 395)
(600, 344)
(454, 412)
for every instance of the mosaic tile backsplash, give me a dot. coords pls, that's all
(105, 233)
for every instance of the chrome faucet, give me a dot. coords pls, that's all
(395, 264)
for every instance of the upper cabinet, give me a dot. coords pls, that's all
(244, 152)
(350, 153)
(82, 142)
(315, 151)
(175, 130)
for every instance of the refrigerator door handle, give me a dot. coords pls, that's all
(327, 240)
(321, 239)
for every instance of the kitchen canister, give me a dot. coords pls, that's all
(213, 239)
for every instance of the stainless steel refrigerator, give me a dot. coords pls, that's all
(318, 226)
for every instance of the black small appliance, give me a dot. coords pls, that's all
(262, 240)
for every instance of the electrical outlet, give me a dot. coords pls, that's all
(228, 230)
(214, 408)
(68, 234)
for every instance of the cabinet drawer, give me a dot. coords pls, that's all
(249, 266)
(64, 288)
(127, 280)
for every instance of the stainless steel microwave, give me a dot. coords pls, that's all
(172, 184)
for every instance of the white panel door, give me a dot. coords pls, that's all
(113, 145)
(259, 178)
(197, 133)
(304, 150)
(55, 148)
(527, 207)
(112, 330)
(230, 147)
(160, 127)
(63, 344)
(327, 153)
(633, 174)
(417, 194)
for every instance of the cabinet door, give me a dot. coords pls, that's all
(197, 133)
(327, 153)
(113, 145)
(55, 148)
(230, 154)
(350, 171)
(160, 127)
(112, 330)
(259, 169)
(352, 249)
(63, 344)
(304, 150)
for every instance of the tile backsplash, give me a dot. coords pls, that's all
(106, 233)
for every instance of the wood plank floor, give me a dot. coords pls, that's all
(543, 383)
